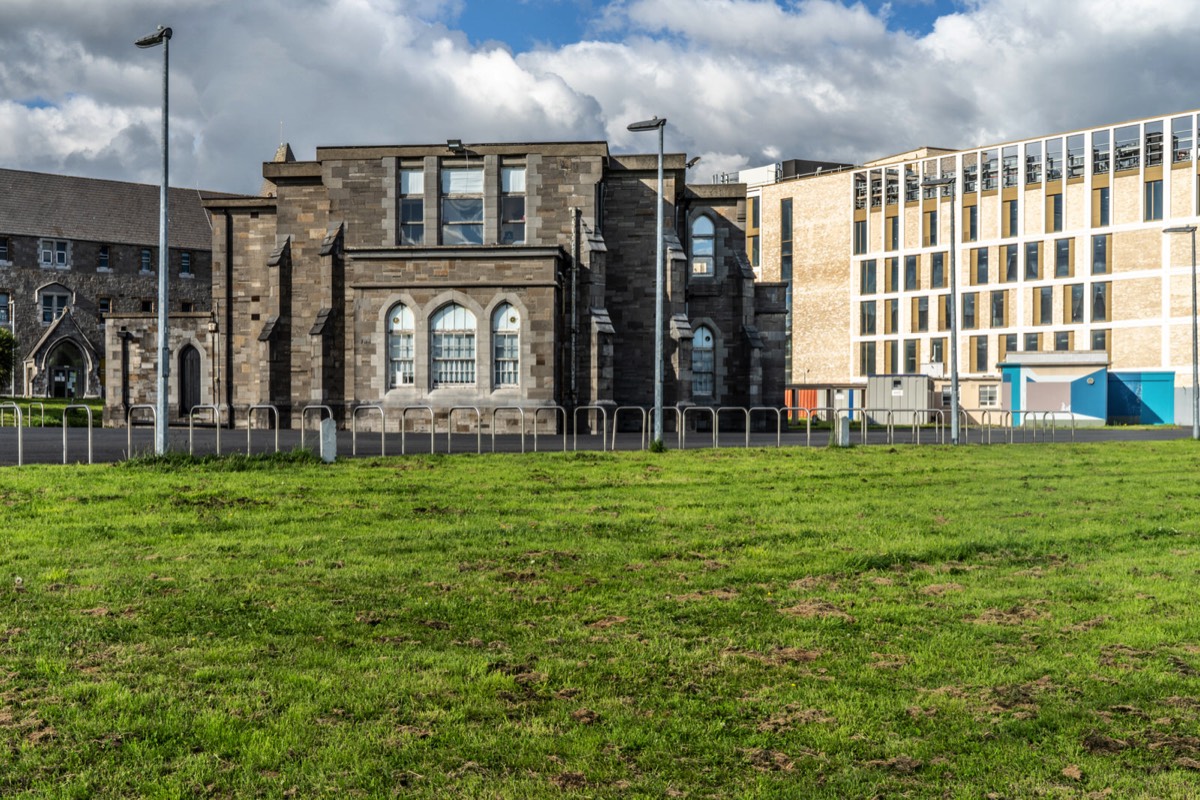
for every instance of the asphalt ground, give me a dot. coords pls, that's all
(109, 445)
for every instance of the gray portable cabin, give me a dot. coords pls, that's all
(903, 395)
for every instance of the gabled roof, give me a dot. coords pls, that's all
(94, 210)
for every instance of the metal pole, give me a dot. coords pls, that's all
(1195, 355)
(164, 352)
(658, 300)
(953, 320)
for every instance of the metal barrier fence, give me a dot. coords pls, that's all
(272, 411)
(216, 412)
(20, 436)
(66, 415)
(129, 424)
(382, 428)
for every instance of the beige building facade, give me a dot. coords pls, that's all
(1057, 243)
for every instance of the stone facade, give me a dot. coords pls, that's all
(377, 276)
(74, 253)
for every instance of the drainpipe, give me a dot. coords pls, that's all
(575, 251)
(229, 316)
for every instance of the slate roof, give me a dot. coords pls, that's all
(93, 210)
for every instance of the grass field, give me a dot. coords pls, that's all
(874, 622)
(49, 411)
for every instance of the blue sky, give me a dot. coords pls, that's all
(528, 24)
(741, 82)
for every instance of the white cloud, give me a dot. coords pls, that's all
(741, 81)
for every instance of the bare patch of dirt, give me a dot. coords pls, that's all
(435, 624)
(716, 594)
(570, 780)
(939, 589)
(8, 634)
(1121, 656)
(607, 622)
(766, 760)
(1086, 625)
(819, 609)
(879, 581)
(916, 712)
(99, 611)
(791, 717)
(585, 716)
(810, 582)
(900, 764)
(712, 565)
(1099, 743)
(1016, 615)
(888, 661)
(1073, 772)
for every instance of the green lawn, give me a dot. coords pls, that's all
(874, 622)
(48, 412)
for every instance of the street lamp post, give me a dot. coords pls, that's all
(949, 180)
(162, 36)
(658, 123)
(1191, 229)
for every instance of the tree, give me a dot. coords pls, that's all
(8, 351)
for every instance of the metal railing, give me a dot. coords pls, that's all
(557, 410)
(354, 428)
(712, 415)
(603, 425)
(65, 415)
(778, 421)
(519, 410)
(20, 434)
(324, 410)
(450, 427)
(129, 423)
(216, 412)
(272, 410)
(641, 430)
(41, 408)
(404, 426)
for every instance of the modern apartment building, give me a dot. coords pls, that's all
(1057, 243)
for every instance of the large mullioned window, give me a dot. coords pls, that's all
(400, 347)
(703, 362)
(452, 338)
(506, 345)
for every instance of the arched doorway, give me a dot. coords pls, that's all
(67, 369)
(189, 380)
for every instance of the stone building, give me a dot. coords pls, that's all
(480, 275)
(75, 250)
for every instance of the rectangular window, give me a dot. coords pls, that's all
(910, 273)
(785, 221)
(866, 318)
(1043, 305)
(508, 352)
(1010, 263)
(892, 274)
(1100, 152)
(412, 206)
(943, 303)
(910, 356)
(512, 206)
(867, 277)
(186, 306)
(892, 225)
(147, 259)
(755, 212)
(185, 263)
(1073, 300)
(1008, 344)
(937, 351)
(1054, 213)
(53, 305)
(1062, 341)
(1062, 258)
(971, 223)
(4, 318)
(931, 228)
(969, 302)
(1010, 221)
(1099, 340)
(4, 256)
(979, 262)
(1033, 162)
(921, 314)
(860, 237)
(1101, 212)
(104, 305)
(146, 306)
(1128, 147)
(462, 205)
(889, 355)
(1100, 302)
(1033, 261)
(979, 353)
(937, 276)
(989, 396)
(54, 253)
(1181, 140)
(1033, 342)
(1154, 200)
(891, 317)
(103, 258)
(999, 303)
(866, 358)
(754, 250)
(1154, 143)
(1100, 254)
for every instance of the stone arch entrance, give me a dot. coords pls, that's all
(67, 370)
(189, 379)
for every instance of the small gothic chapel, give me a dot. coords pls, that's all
(480, 275)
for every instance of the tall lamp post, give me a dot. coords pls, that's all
(949, 180)
(1191, 229)
(658, 123)
(162, 36)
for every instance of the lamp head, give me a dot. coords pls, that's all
(647, 125)
(154, 39)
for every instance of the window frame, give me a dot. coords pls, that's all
(400, 350)
(453, 350)
(700, 241)
(506, 347)
(509, 195)
(462, 224)
(704, 362)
